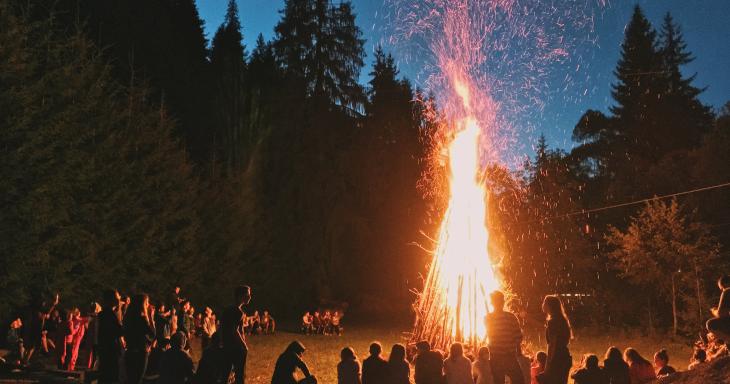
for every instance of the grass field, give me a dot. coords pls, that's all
(323, 352)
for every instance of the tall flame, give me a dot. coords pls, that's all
(453, 304)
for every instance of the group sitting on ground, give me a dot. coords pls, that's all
(322, 323)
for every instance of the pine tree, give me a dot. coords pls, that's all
(228, 62)
(321, 50)
(98, 192)
(683, 118)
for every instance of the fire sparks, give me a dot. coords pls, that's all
(488, 63)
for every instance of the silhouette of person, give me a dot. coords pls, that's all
(589, 372)
(482, 368)
(558, 334)
(233, 334)
(374, 368)
(505, 337)
(457, 368)
(287, 364)
(348, 369)
(615, 368)
(640, 369)
(429, 365)
(139, 333)
(212, 365)
(719, 324)
(399, 372)
(110, 337)
(176, 366)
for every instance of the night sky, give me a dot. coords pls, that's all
(704, 24)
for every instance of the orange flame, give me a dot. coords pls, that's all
(454, 303)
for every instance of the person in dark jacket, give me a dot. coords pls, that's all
(590, 372)
(348, 369)
(139, 333)
(615, 368)
(558, 335)
(661, 364)
(176, 366)
(429, 365)
(110, 341)
(374, 368)
(211, 367)
(287, 364)
(399, 372)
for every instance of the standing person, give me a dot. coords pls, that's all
(615, 368)
(209, 327)
(348, 369)
(429, 365)
(139, 333)
(91, 340)
(287, 364)
(15, 340)
(661, 362)
(79, 325)
(457, 368)
(719, 324)
(37, 316)
(232, 333)
(163, 319)
(110, 338)
(176, 365)
(640, 369)
(185, 323)
(505, 338)
(482, 369)
(399, 372)
(589, 372)
(374, 368)
(558, 334)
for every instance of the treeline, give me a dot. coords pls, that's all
(136, 156)
(650, 264)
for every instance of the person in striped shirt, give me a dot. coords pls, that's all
(505, 338)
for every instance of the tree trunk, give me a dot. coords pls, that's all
(674, 305)
(698, 287)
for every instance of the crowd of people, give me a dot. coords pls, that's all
(128, 339)
(133, 341)
(327, 322)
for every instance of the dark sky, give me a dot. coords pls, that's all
(704, 23)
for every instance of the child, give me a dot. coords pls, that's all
(661, 363)
(482, 369)
(538, 366)
(590, 372)
(698, 357)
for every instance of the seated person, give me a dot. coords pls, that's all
(287, 364)
(589, 372)
(661, 364)
(176, 365)
(719, 324)
(307, 323)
